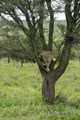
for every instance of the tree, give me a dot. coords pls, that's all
(35, 13)
(11, 45)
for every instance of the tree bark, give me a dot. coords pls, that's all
(22, 61)
(8, 59)
(40, 25)
(48, 88)
(51, 25)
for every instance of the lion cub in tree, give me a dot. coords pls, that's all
(46, 57)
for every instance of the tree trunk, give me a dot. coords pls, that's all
(22, 61)
(48, 86)
(50, 78)
(8, 59)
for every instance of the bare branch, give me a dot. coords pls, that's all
(51, 24)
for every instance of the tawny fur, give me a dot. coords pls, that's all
(47, 57)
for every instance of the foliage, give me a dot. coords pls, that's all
(38, 12)
(11, 45)
(14, 43)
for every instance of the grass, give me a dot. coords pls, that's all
(20, 93)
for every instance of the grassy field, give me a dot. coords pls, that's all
(20, 93)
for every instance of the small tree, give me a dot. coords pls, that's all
(36, 12)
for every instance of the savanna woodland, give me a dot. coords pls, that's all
(36, 13)
(24, 36)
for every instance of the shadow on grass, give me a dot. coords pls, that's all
(60, 98)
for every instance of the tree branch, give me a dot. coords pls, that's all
(15, 17)
(40, 24)
(69, 18)
(51, 24)
(26, 15)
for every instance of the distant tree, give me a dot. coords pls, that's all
(35, 13)
(11, 45)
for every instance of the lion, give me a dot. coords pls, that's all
(46, 57)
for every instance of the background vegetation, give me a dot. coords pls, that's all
(11, 46)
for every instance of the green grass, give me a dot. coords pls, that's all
(20, 93)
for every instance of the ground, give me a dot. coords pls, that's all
(21, 98)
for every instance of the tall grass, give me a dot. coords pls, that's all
(21, 98)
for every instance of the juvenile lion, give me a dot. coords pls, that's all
(46, 56)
